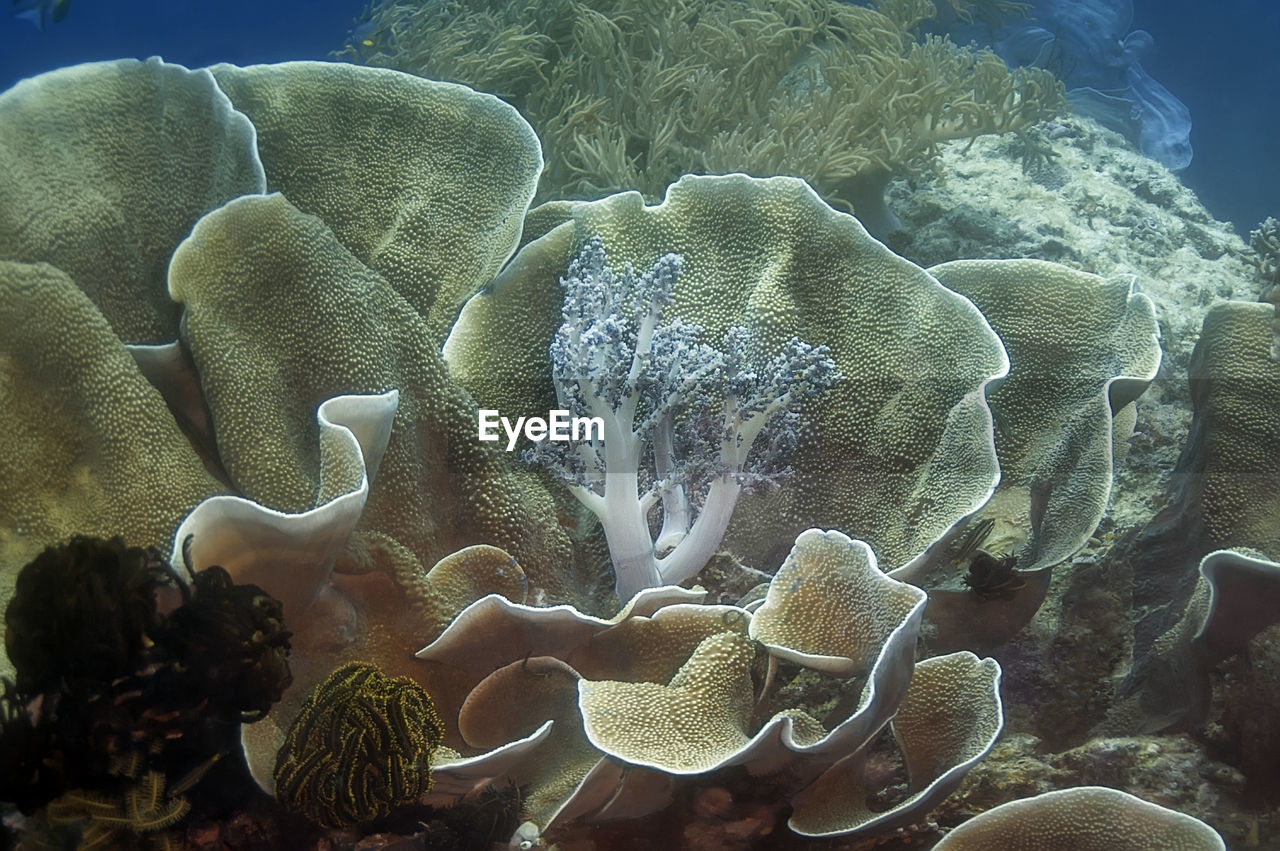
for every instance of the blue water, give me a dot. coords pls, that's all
(1220, 59)
(184, 31)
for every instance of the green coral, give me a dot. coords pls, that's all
(631, 95)
(362, 745)
(425, 182)
(1081, 349)
(89, 446)
(279, 316)
(107, 166)
(894, 454)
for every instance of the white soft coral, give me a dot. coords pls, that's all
(681, 418)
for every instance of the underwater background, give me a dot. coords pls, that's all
(949, 512)
(1219, 60)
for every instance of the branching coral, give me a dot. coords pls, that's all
(1265, 241)
(632, 95)
(655, 390)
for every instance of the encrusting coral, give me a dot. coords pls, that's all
(1084, 818)
(362, 744)
(632, 95)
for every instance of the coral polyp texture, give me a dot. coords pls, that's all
(1085, 818)
(721, 699)
(894, 453)
(1082, 350)
(273, 433)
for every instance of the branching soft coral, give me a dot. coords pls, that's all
(631, 95)
(689, 414)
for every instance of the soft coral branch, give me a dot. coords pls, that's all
(666, 398)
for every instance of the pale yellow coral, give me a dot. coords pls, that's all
(1086, 818)
(89, 446)
(279, 316)
(685, 726)
(107, 166)
(1081, 349)
(425, 182)
(830, 607)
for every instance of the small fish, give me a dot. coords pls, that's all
(365, 35)
(41, 12)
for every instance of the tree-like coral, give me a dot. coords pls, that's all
(631, 95)
(656, 391)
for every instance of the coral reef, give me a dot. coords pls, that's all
(1081, 351)
(256, 421)
(278, 394)
(627, 705)
(1110, 211)
(633, 95)
(714, 421)
(894, 454)
(1223, 495)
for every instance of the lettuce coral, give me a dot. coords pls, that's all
(895, 453)
(721, 694)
